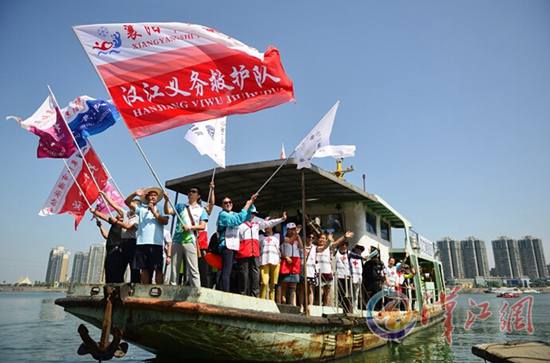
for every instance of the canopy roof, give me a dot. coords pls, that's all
(239, 182)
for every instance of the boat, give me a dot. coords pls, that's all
(206, 324)
(508, 295)
(531, 291)
(513, 351)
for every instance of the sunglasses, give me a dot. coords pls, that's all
(192, 191)
(227, 202)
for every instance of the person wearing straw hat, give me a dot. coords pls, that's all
(150, 234)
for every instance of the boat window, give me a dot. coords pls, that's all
(371, 223)
(384, 230)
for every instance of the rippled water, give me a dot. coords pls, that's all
(33, 329)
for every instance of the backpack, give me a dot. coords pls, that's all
(214, 244)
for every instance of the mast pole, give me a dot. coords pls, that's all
(304, 237)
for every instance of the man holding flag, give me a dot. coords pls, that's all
(150, 234)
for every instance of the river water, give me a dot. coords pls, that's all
(33, 329)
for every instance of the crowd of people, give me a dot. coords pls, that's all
(246, 254)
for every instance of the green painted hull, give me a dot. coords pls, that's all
(184, 326)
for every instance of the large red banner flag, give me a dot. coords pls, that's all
(165, 75)
(65, 197)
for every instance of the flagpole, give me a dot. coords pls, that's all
(78, 185)
(157, 179)
(276, 171)
(304, 237)
(113, 179)
(79, 150)
(210, 190)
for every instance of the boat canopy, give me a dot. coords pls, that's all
(239, 182)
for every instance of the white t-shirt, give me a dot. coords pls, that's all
(270, 252)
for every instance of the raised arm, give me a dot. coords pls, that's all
(129, 200)
(236, 219)
(272, 222)
(108, 199)
(211, 199)
(98, 214)
(346, 235)
(102, 230)
(167, 208)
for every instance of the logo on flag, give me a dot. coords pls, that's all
(66, 197)
(208, 137)
(165, 75)
(87, 116)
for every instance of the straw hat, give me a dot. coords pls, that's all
(146, 191)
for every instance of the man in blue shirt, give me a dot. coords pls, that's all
(150, 234)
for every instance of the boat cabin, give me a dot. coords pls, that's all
(332, 204)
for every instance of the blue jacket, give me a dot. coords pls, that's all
(230, 219)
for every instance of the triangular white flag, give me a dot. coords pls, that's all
(209, 139)
(317, 142)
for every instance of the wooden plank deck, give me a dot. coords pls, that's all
(514, 351)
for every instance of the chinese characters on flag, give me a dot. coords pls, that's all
(166, 75)
(47, 123)
(65, 197)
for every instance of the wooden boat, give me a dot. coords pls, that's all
(513, 351)
(205, 324)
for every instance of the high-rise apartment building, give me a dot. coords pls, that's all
(507, 260)
(532, 257)
(96, 260)
(451, 258)
(474, 257)
(80, 268)
(58, 265)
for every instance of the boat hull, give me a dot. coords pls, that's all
(201, 331)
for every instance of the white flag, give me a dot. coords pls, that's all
(282, 156)
(209, 139)
(336, 151)
(317, 142)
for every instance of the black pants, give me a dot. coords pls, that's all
(129, 248)
(205, 271)
(227, 266)
(115, 264)
(249, 276)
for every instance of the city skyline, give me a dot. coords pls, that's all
(467, 258)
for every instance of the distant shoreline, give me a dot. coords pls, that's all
(32, 289)
(476, 290)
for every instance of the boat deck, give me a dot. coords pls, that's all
(513, 351)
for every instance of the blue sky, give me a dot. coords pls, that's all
(447, 102)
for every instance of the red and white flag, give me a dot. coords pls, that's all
(65, 197)
(47, 123)
(165, 75)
